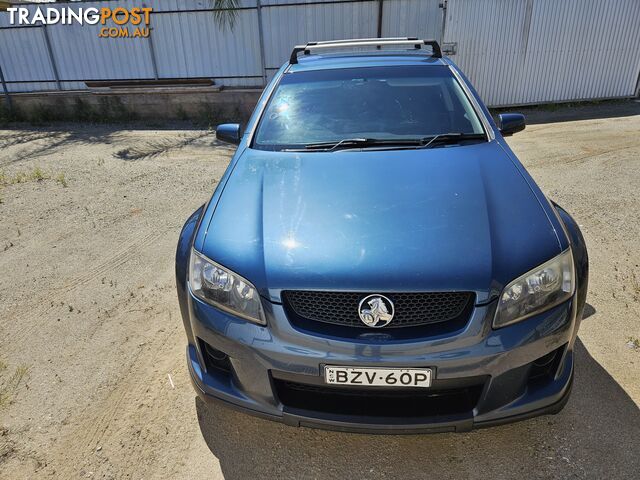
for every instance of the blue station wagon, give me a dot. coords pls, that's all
(376, 258)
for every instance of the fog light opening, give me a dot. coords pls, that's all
(545, 360)
(544, 368)
(215, 360)
(216, 355)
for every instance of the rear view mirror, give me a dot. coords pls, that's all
(510, 123)
(228, 133)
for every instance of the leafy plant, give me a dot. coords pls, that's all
(60, 178)
(38, 175)
(225, 12)
(35, 175)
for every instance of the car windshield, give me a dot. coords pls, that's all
(378, 103)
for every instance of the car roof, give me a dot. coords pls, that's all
(368, 59)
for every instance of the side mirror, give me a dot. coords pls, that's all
(510, 123)
(228, 133)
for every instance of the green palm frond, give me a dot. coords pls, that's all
(226, 12)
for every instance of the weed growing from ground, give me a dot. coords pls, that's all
(60, 178)
(35, 175)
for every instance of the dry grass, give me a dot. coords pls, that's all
(35, 175)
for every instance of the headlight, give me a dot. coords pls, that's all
(217, 286)
(542, 288)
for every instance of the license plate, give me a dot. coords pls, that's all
(378, 377)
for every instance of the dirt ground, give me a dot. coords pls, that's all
(93, 378)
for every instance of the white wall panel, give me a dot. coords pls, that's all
(23, 55)
(205, 49)
(412, 18)
(532, 51)
(286, 26)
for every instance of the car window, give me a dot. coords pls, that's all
(375, 102)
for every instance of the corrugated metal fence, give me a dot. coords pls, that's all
(186, 42)
(514, 51)
(533, 51)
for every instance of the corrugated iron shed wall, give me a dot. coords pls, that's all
(534, 51)
(187, 42)
(514, 51)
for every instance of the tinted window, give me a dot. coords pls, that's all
(377, 102)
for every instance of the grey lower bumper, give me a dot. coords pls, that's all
(549, 400)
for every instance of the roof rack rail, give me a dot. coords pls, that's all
(366, 42)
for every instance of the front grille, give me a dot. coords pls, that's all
(411, 309)
(372, 402)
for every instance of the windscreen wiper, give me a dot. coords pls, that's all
(424, 142)
(450, 138)
(362, 142)
(329, 146)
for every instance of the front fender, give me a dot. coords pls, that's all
(580, 256)
(182, 265)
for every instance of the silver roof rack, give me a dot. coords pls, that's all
(366, 42)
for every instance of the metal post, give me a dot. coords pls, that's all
(51, 57)
(261, 40)
(153, 57)
(443, 6)
(380, 10)
(152, 50)
(5, 89)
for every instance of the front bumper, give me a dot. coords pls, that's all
(499, 366)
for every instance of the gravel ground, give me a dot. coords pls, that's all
(93, 380)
